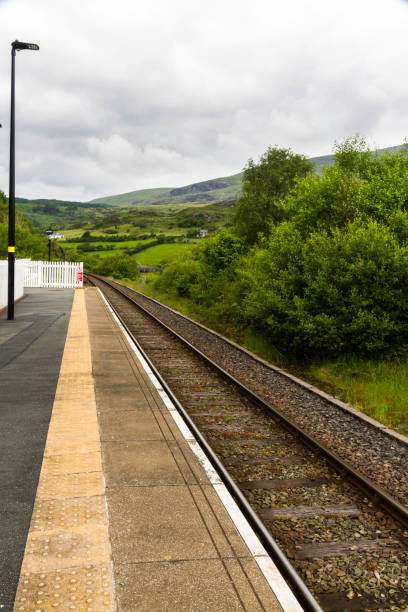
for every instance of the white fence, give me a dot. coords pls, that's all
(19, 273)
(27, 273)
(58, 274)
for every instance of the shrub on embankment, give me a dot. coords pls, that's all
(29, 244)
(330, 274)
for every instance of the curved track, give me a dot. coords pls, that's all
(343, 535)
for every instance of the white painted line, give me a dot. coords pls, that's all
(154, 380)
(271, 573)
(244, 528)
(166, 400)
(205, 462)
(275, 580)
(178, 419)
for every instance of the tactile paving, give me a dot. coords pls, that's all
(66, 513)
(54, 465)
(61, 446)
(71, 485)
(66, 564)
(80, 590)
(60, 549)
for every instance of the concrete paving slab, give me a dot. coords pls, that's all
(174, 544)
(139, 463)
(164, 426)
(246, 589)
(256, 578)
(199, 585)
(119, 378)
(222, 529)
(121, 425)
(120, 397)
(156, 523)
(189, 468)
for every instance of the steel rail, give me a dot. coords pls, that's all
(368, 421)
(296, 582)
(379, 496)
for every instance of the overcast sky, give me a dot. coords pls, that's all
(125, 94)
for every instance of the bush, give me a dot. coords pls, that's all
(179, 277)
(119, 266)
(340, 292)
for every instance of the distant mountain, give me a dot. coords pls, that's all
(43, 212)
(215, 190)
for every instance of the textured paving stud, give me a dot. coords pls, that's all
(66, 565)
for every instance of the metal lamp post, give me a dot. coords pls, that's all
(49, 233)
(15, 46)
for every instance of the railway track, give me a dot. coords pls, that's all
(344, 536)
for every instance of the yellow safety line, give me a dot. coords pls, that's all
(67, 563)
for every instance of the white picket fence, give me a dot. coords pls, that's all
(19, 273)
(27, 273)
(56, 274)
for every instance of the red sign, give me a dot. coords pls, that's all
(79, 275)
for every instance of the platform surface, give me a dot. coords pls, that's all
(126, 517)
(31, 350)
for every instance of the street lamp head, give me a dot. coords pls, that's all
(19, 46)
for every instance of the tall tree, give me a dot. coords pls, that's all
(264, 184)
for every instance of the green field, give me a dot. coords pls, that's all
(153, 256)
(116, 245)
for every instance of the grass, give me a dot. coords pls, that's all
(154, 255)
(377, 388)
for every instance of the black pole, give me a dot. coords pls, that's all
(49, 248)
(12, 209)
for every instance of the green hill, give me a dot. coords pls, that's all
(224, 188)
(65, 214)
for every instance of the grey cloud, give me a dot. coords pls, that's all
(127, 95)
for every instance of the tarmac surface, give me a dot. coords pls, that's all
(127, 512)
(31, 350)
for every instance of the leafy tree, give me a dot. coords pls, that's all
(28, 243)
(3, 205)
(264, 184)
(360, 184)
(352, 155)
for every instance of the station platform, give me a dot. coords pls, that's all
(126, 512)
